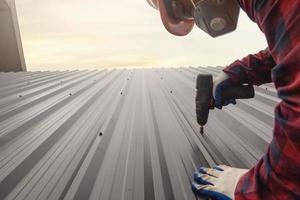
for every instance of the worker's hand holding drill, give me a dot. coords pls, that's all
(222, 91)
(221, 83)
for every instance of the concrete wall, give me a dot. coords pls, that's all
(11, 51)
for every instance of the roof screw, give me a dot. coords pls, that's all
(100, 134)
(70, 94)
(171, 91)
(20, 96)
(121, 93)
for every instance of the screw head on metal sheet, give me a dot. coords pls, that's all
(100, 134)
(20, 96)
(70, 94)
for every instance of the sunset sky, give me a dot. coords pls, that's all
(92, 34)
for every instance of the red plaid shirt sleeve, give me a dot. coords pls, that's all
(277, 174)
(253, 69)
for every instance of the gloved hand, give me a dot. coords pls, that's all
(218, 183)
(220, 84)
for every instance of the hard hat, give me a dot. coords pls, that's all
(174, 25)
(215, 17)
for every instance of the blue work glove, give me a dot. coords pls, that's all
(221, 83)
(218, 183)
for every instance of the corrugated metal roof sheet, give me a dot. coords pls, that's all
(119, 134)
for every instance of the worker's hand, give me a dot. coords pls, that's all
(218, 183)
(221, 83)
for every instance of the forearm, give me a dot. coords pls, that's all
(253, 69)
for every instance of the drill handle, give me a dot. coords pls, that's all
(238, 92)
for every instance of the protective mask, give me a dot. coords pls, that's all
(216, 17)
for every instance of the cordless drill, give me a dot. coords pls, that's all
(205, 100)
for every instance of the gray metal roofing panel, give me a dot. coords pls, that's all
(119, 134)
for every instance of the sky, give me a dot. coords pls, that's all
(96, 34)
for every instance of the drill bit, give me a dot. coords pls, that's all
(201, 130)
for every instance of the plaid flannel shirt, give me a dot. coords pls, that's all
(277, 174)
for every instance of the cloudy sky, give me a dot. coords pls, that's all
(92, 34)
